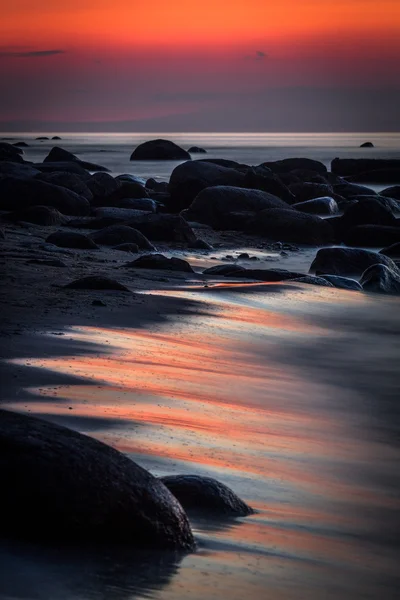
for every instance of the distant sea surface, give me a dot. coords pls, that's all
(113, 150)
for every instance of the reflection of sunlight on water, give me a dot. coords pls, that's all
(223, 394)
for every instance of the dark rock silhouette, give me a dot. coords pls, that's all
(223, 269)
(201, 245)
(102, 185)
(391, 192)
(206, 495)
(266, 275)
(312, 280)
(11, 153)
(190, 178)
(392, 251)
(39, 215)
(381, 279)
(213, 205)
(57, 154)
(159, 150)
(17, 170)
(21, 145)
(318, 206)
(159, 261)
(381, 176)
(56, 137)
(71, 181)
(349, 190)
(344, 283)
(355, 166)
(97, 282)
(81, 490)
(115, 191)
(261, 178)
(143, 204)
(22, 193)
(291, 164)
(63, 167)
(69, 239)
(372, 236)
(367, 145)
(42, 138)
(117, 214)
(127, 247)
(120, 234)
(164, 227)
(308, 190)
(292, 226)
(197, 150)
(349, 262)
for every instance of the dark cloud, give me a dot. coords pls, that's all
(29, 54)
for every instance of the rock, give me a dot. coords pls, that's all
(367, 211)
(349, 262)
(127, 247)
(56, 137)
(63, 167)
(290, 164)
(118, 214)
(98, 303)
(102, 185)
(380, 176)
(213, 205)
(318, 206)
(308, 191)
(349, 190)
(17, 170)
(159, 261)
(68, 239)
(11, 153)
(292, 226)
(206, 495)
(260, 178)
(129, 178)
(190, 178)
(310, 279)
(120, 234)
(81, 491)
(392, 251)
(157, 186)
(367, 145)
(266, 275)
(224, 162)
(355, 166)
(164, 227)
(2, 236)
(381, 279)
(116, 191)
(343, 283)
(42, 138)
(97, 282)
(159, 150)
(372, 236)
(93, 222)
(23, 193)
(47, 262)
(57, 154)
(39, 215)
(197, 150)
(201, 245)
(391, 192)
(21, 144)
(71, 181)
(223, 269)
(142, 204)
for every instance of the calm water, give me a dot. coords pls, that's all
(114, 150)
(287, 394)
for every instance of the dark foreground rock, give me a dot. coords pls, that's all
(59, 485)
(57, 154)
(71, 181)
(392, 251)
(392, 192)
(159, 150)
(349, 262)
(69, 239)
(343, 283)
(265, 275)
(164, 227)
(97, 282)
(318, 206)
(291, 164)
(121, 234)
(367, 145)
(206, 495)
(159, 261)
(381, 279)
(372, 236)
(292, 226)
(17, 170)
(39, 215)
(197, 150)
(357, 166)
(311, 280)
(127, 247)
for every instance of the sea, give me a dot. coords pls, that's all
(289, 394)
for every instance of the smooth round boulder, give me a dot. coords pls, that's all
(97, 282)
(367, 145)
(197, 150)
(159, 261)
(69, 239)
(101, 186)
(120, 234)
(38, 215)
(343, 283)
(261, 178)
(392, 192)
(381, 280)
(292, 226)
(119, 214)
(318, 206)
(17, 170)
(71, 181)
(213, 205)
(142, 204)
(61, 486)
(163, 227)
(349, 190)
(312, 280)
(159, 150)
(63, 167)
(223, 269)
(190, 178)
(206, 495)
(372, 236)
(367, 211)
(308, 191)
(348, 262)
(290, 164)
(266, 275)
(58, 154)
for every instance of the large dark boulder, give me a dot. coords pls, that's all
(381, 279)
(63, 167)
(308, 191)
(121, 234)
(11, 153)
(197, 150)
(290, 164)
(97, 282)
(22, 193)
(355, 166)
(69, 239)
(292, 226)
(190, 178)
(391, 192)
(17, 170)
(343, 283)
(141, 204)
(213, 205)
(367, 145)
(381, 176)
(118, 214)
(102, 185)
(348, 262)
(164, 227)
(206, 495)
(367, 211)
(349, 190)
(159, 150)
(71, 181)
(393, 251)
(115, 191)
(223, 269)
(57, 154)
(266, 275)
(372, 236)
(318, 206)
(312, 280)
(260, 178)
(159, 261)
(39, 215)
(62, 486)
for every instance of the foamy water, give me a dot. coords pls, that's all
(288, 394)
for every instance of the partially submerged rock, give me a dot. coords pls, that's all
(159, 261)
(97, 282)
(367, 145)
(351, 262)
(69, 239)
(197, 150)
(120, 234)
(381, 279)
(292, 226)
(206, 495)
(291, 164)
(58, 154)
(344, 283)
(310, 279)
(159, 150)
(61, 486)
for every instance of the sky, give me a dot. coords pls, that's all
(212, 65)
